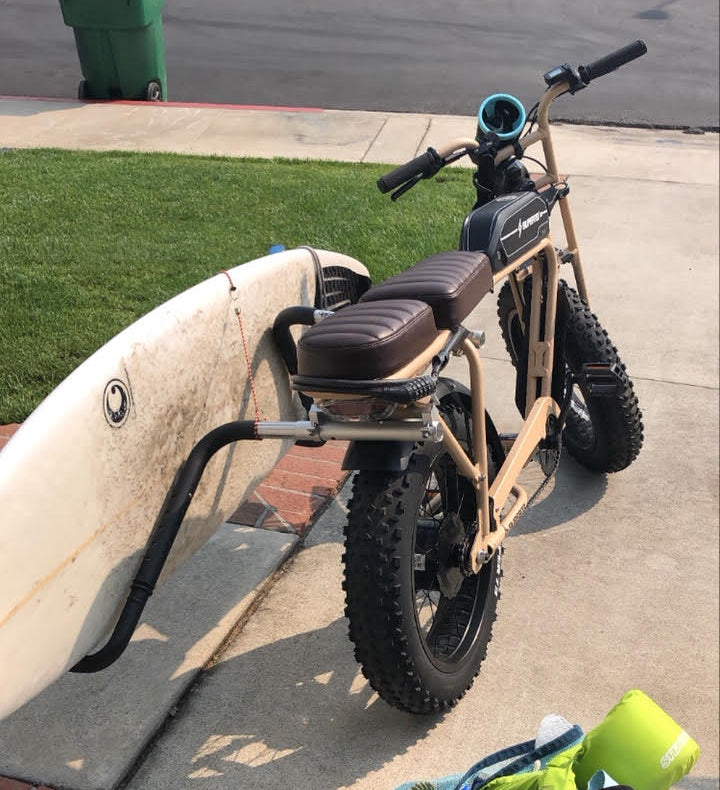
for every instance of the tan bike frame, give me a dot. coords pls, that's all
(499, 504)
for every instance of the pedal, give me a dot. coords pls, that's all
(601, 379)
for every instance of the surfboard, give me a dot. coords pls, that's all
(83, 480)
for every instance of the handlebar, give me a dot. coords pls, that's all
(560, 80)
(612, 61)
(423, 166)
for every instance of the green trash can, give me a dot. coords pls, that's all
(121, 48)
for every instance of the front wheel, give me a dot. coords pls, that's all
(420, 626)
(603, 433)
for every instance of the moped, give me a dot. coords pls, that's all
(437, 488)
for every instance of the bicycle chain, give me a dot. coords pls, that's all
(539, 491)
(544, 483)
(470, 536)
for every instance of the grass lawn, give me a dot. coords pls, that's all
(89, 242)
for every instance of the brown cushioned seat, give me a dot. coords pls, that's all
(452, 283)
(366, 341)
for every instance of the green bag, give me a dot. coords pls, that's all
(522, 763)
(558, 774)
(639, 745)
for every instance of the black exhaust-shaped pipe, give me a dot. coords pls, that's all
(162, 538)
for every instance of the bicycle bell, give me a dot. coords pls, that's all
(501, 114)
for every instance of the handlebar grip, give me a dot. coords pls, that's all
(612, 61)
(426, 165)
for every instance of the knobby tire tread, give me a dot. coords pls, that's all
(381, 628)
(613, 439)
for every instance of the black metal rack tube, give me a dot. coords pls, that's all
(162, 538)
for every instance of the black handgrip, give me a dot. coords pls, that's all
(425, 165)
(612, 61)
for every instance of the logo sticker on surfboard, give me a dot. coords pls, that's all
(116, 402)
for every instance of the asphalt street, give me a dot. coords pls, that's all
(402, 56)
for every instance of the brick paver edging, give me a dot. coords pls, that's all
(299, 488)
(291, 496)
(14, 784)
(6, 431)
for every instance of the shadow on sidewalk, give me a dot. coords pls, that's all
(295, 712)
(572, 492)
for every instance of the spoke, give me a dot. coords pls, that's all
(433, 505)
(427, 601)
(432, 501)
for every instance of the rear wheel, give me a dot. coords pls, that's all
(604, 433)
(420, 626)
(153, 91)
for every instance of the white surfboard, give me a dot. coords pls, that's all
(83, 480)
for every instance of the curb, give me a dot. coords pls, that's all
(192, 105)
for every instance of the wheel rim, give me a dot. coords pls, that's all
(448, 628)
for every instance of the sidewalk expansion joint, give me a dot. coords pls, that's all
(421, 144)
(374, 140)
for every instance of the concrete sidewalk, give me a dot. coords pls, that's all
(610, 582)
(607, 152)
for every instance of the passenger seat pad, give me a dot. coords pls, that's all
(452, 283)
(367, 341)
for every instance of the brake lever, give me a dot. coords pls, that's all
(487, 147)
(400, 191)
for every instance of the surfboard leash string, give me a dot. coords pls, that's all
(259, 416)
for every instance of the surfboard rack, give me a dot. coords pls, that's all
(162, 538)
(317, 429)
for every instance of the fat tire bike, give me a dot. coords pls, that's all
(436, 488)
(424, 541)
